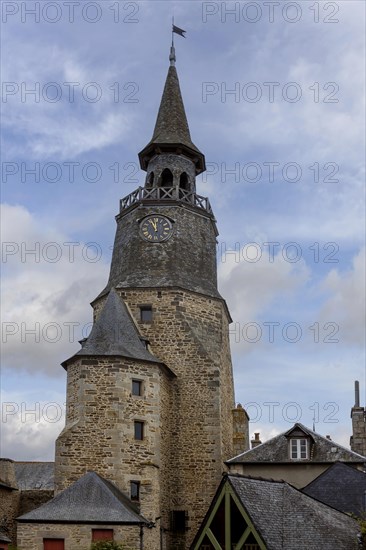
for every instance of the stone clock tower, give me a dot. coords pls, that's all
(150, 395)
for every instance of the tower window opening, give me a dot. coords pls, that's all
(139, 430)
(183, 182)
(135, 490)
(166, 178)
(146, 315)
(150, 181)
(137, 387)
(178, 521)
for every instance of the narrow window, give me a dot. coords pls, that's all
(146, 314)
(166, 178)
(53, 544)
(150, 181)
(183, 182)
(102, 534)
(135, 490)
(178, 521)
(137, 387)
(139, 430)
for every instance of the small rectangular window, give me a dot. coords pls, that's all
(135, 490)
(139, 430)
(136, 387)
(102, 534)
(178, 521)
(146, 314)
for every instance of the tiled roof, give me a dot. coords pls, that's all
(34, 475)
(276, 450)
(91, 499)
(115, 333)
(287, 519)
(342, 487)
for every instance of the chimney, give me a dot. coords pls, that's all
(357, 393)
(328, 437)
(241, 430)
(256, 441)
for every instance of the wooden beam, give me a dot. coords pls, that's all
(243, 538)
(209, 521)
(213, 540)
(227, 519)
(247, 519)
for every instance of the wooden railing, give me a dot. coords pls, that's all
(165, 193)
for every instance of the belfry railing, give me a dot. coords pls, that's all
(165, 194)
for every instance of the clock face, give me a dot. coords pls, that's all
(156, 229)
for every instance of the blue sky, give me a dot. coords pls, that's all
(275, 99)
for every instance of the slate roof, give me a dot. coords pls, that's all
(275, 450)
(342, 487)
(3, 537)
(114, 333)
(34, 475)
(286, 519)
(7, 486)
(171, 126)
(91, 499)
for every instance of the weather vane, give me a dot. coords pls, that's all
(181, 32)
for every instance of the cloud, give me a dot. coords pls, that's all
(346, 302)
(87, 115)
(45, 301)
(250, 287)
(29, 429)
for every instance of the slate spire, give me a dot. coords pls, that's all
(171, 132)
(115, 333)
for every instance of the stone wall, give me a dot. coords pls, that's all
(9, 505)
(77, 537)
(189, 332)
(99, 431)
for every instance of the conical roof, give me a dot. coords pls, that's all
(171, 130)
(115, 333)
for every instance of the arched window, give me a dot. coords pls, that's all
(183, 182)
(150, 181)
(166, 178)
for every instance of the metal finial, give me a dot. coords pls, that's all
(172, 57)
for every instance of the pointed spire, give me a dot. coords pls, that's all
(171, 133)
(115, 333)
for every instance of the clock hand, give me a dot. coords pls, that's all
(154, 225)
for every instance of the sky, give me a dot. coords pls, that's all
(274, 94)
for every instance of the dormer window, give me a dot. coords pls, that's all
(299, 449)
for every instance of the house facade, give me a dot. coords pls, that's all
(297, 456)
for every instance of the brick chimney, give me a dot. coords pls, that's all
(358, 413)
(256, 441)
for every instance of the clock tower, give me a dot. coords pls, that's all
(150, 395)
